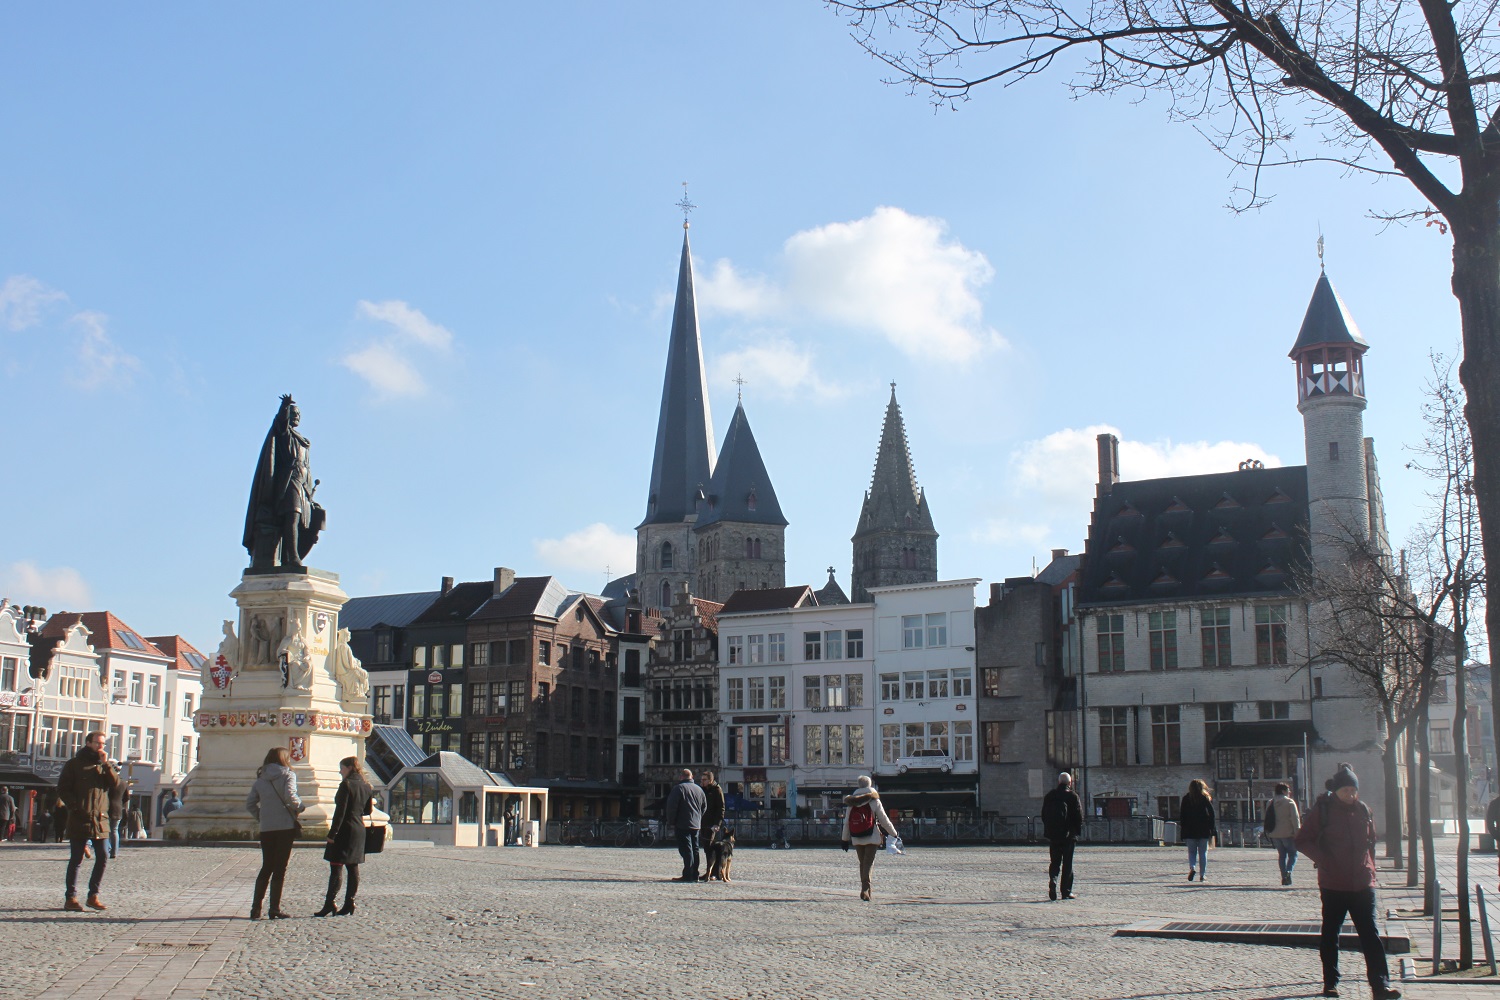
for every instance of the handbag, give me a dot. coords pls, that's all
(296, 822)
(374, 837)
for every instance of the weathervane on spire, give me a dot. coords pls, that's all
(685, 205)
(1320, 249)
(739, 392)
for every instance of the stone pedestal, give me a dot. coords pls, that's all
(270, 701)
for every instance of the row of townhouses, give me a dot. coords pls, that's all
(64, 676)
(1174, 646)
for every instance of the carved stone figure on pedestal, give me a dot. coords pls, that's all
(265, 639)
(218, 672)
(354, 682)
(296, 660)
(282, 520)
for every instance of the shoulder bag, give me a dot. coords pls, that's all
(296, 822)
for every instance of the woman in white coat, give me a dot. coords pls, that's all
(866, 826)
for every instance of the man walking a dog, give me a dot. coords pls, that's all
(684, 813)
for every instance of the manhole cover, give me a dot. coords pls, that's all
(166, 948)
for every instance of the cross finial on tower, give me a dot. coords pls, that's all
(893, 387)
(739, 392)
(685, 205)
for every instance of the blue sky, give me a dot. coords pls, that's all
(449, 231)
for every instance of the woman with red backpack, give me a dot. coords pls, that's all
(866, 826)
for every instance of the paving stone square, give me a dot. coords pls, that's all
(605, 923)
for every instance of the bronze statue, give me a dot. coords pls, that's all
(282, 520)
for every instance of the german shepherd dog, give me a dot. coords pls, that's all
(720, 854)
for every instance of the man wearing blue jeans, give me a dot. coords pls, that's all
(1283, 820)
(684, 813)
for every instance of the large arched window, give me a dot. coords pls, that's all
(666, 594)
(666, 556)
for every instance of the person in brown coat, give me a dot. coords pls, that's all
(86, 786)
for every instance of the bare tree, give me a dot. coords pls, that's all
(1399, 87)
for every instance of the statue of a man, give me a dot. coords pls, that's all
(282, 520)
(354, 681)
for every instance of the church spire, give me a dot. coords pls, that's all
(895, 541)
(684, 456)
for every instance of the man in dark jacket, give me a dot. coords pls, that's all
(1062, 822)
(1338, 833)
(684, 813)
(7, 814)
(85, 786)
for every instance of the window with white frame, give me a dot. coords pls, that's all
(890, 687)
(854, 690)
(856, 743)
(890, 742)
(812, 645)
(913, 685)
(187, 705)
(777, 686)
(736, 649)
(812, 691)
(911, 632)
(937, 629)
(812, 745)
(833, 690)
(937, 684)
(736, 698)
(963, 740)
(963, 682)
(757, 687)
(833, 645)
(153, 691)
(151, 738)
(137, 687)
(854, 644)
(185, 754)
(757, 648)
(116, 737)
(776, 647)
(133, 742)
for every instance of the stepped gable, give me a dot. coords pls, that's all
(740, 489)
(1161, 539)
(684, 458)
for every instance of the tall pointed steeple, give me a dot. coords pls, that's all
(895, 541)
(684, 456)
(740, 535)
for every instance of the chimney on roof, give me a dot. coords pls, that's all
(1109, 463)
(447, 584)
(1059, 554)
(504, 577)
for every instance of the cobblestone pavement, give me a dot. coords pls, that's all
(604, 922)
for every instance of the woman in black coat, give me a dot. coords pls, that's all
(346, 835)
(1199, 825)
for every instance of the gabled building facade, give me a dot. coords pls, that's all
(682, 694)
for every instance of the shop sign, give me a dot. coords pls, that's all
(7, 699)
(433, 726)
(436, 677)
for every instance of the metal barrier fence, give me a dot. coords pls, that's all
(766, 831)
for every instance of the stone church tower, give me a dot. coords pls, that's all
(712, 527)
(740, 533)
(684, 459)
(895, 542)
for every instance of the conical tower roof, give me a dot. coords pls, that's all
(684, 456)
(1327, 320)
(740, 489)
(894, 500)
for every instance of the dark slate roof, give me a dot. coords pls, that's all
(1217, 535)
(740, 489)
(527, 597)
(831, 593)
(1060, 569)
(774, 599)
(457, 604)
(1327, 321)
(389, 749)
(684, 456)
(619, 588)
(395, 610)
(894, 501)
(1279, 733)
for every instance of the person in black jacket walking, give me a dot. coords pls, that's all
(1198, 825)
(684, 813)
(346, 835)
(1062, 822)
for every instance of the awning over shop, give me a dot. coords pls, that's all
(1279, 733)
(19, 777)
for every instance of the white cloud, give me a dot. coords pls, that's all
(22, 300)
(589, 550)
(408, 321)
(785, 368)
(892, 274)
(386, 362)
(100, 360)
(386, 371)
(58, 588)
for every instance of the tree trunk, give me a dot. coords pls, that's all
(1476, 285)
(1391, 768)
(1413, 816)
